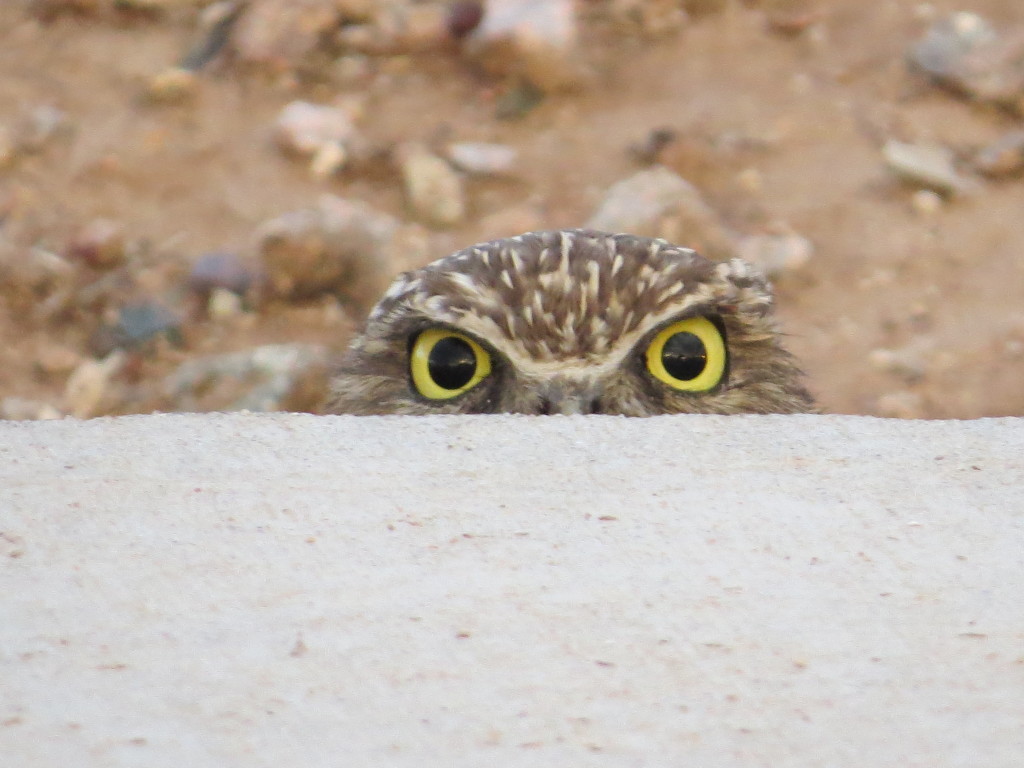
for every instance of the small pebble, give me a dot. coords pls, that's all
(222, 271)
(87, 386)
(464, 16)
(99, 244)
(224, 304)
(483, 159)
(1003, 157)
(304, 128)
(317, 131)
(136, 325)
(172, 86)
(751, 180)
(927, 165)
(432, 187)
(926, 202)
(216, 22)
(941, 51)
(328, 160)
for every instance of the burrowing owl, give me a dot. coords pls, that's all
(571, 321)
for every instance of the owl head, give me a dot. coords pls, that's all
(571, 322)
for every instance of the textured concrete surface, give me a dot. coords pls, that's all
(290, 590)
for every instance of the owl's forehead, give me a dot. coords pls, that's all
(558, 295)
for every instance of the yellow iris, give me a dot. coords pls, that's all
(444, 364)
(688, 355)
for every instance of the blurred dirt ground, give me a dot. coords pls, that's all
(909, 306)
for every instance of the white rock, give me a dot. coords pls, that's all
(483, 159)
(318, 131)
(533, 39)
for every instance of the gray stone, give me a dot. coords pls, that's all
(659, 203)
(965, 53)
(927, 165)
(220, 270)
(138, 324)
(1003, 157)
(337, 246)
(266, 378)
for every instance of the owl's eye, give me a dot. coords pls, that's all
(688, 355)
(445, 364)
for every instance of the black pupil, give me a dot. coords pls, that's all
(452, 363)
(684, 356)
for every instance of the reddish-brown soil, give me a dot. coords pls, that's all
(811, 113)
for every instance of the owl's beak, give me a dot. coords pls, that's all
(567, 397)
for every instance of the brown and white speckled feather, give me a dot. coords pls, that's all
(567, 314)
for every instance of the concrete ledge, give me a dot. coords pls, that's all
(290, 590)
